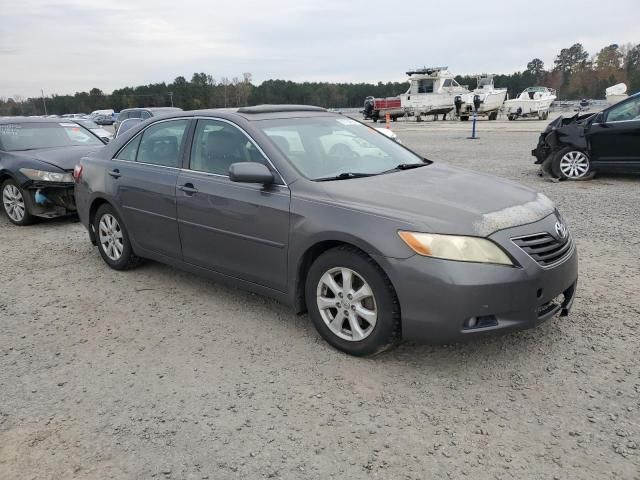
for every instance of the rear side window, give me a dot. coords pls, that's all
(162, 142)
(129, 152)
(123, 116)
(144, 115)
(135, 114)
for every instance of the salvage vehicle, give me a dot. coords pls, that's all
(580, 146)
(332, 217)
(37, 156)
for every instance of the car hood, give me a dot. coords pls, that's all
(563, 121)
(440, 198)
(62, 157)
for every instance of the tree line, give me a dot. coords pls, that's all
(575, 74)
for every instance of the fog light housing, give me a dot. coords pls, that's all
(482, 321)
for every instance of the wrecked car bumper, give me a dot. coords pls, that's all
(542, 150)
(49, 200)
(443, 301)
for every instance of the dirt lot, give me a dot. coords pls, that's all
(156, 373)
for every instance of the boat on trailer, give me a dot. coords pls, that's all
(484, 101)
(532, 102)
(432, 91)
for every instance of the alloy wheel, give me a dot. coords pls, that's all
(574, 164)
(13, 202)
(111, 238)
(346, 304)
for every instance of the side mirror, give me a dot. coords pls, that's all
(599, 118)
(250, 172)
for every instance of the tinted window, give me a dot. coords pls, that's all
(135, 114)
(626, 111)
(161, 143)
(144, 115)
(425, 86)
(216, 145)
(129, 152)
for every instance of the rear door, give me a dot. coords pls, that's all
(238, 229)
(144, 175)
(615, 141)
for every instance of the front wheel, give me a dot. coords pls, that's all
(571, 164)
(113, 239)
(14, 205)
(352, 303)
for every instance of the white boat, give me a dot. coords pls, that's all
(432, 91)
(616, 93)
(485, 100)
(532, 102)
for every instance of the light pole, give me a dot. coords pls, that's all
(44, 102)
(171, 98)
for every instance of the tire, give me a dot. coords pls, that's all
(379, 324)
(545, 115)
(511, 118)
(464, 118)
(113, 239)
(493, 116)
(571, 164)
(14, 204)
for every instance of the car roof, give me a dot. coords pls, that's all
(152, 109)
(260, 112)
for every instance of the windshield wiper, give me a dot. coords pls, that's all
(345, 176)
(406, 166)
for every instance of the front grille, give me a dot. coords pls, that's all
(544, 248)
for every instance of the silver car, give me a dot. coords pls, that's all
(332, 217)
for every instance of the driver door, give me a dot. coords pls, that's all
(615, 140)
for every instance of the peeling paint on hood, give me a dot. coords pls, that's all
(514, 216)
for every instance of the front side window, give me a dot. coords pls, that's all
(217, 145)
(627, 111)
(130, 151)
(161, 143)
(32, 136)
(325, 147)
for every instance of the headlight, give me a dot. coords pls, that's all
(454, 247)
(44, 176)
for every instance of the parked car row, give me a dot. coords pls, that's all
(311, 208)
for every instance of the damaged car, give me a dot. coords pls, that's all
(37, 157)
(577, 147)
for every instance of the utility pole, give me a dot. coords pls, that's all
(44, 102)
(171, 98)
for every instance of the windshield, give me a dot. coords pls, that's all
(325, 147)
(30, 136)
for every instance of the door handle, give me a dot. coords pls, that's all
(188, 188)
(115, 173)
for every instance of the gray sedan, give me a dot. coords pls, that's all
(332, 217)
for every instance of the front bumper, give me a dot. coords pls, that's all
(439, 297)
(49, 200)
(542, 150)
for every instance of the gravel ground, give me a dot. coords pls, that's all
(156, 373)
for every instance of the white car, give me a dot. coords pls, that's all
(104, 134)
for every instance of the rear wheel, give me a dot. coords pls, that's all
(113, 239)
(464, 118)
(571, 164)
(493, 116)
(14, 205)
(352, 303)
(511, 117)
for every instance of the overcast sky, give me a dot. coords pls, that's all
(64, 46)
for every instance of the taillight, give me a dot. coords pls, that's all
(77, 173)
